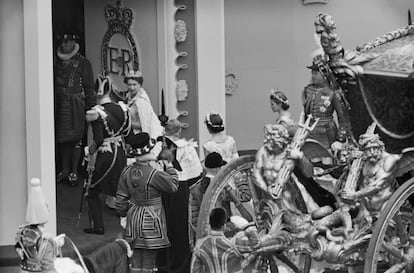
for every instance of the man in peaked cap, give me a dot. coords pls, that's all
(321, 101)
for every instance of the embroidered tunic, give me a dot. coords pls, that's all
(112, 124)
(322, 103)
(139, 198)
(74, 94)
(218, 254)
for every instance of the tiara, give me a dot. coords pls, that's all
(208, 121)
(133, 74)
(276, 96)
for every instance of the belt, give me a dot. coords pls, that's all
(112, 139)
(148, 202)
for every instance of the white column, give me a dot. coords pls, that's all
(167, 56)
(209, 20)
(38, 56)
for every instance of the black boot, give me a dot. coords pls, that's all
(95, 209)
(99, 231)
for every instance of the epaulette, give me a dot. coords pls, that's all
(123, 106)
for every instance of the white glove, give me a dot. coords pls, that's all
(123, 222)
(238, 221)
(60, 239)
(130, 161)
(86, 150)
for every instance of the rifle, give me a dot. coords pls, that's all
(90, 169)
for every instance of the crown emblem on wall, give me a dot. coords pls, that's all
(119, 15)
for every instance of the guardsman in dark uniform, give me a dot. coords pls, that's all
(110, 123)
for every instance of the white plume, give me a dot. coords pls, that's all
(319, 50)
(67, 265)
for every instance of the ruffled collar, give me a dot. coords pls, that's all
(67, 56)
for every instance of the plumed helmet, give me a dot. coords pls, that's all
(37, 211)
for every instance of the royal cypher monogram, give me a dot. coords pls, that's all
(115, 60)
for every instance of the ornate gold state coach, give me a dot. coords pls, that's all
(376, 82)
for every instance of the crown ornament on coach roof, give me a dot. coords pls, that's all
(119, 15)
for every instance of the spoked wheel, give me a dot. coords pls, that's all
(238, 173)
(391, 248)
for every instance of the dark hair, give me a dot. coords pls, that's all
(218, 218)
(173, 126)
(140, 80)
(214, 160)
(280, 98)
(214, 123)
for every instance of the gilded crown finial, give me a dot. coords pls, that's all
(119, 15)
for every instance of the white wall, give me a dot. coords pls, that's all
(12, 121)
(210, 63)
(269, 43)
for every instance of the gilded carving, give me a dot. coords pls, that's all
(181, 90)
(315, 2)
(180, 31)
(232, 82)
(117, 60)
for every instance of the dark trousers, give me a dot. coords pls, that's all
(178, 255)
(95, 207)
(143, 260)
